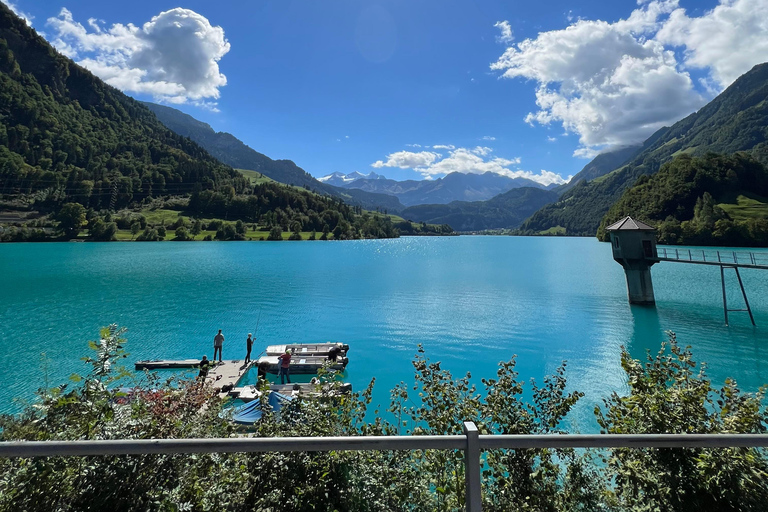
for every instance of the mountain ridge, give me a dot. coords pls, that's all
(504, 211)
(232, 151)
(736, 120)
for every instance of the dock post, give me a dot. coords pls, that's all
(725, 300)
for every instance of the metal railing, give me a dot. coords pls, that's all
(471, 443)
(714, 257)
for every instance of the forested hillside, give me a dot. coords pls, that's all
(737, 120)
(501, 212)
(76, 153)
(232, 151)
(67, 136)
(709, 200)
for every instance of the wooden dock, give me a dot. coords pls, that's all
(227, 373)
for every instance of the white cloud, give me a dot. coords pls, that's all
(444, 146)
(174, 56)
(551, 139)
(487, 137)
(465, 160)
(21, 14)
(728, 40)
(506, 35)
(413, 145)
(610, 83)
(408, 160)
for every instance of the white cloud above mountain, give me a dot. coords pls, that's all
(728, 40)
(408, 160)
(21, 14)
(614, 84)
(477, 160)
(174, 57)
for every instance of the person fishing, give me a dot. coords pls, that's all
(249, 346)
(284, 370)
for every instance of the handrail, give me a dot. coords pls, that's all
(746, 259)
(470, 442)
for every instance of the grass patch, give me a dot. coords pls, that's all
(554, 230)
(255, 177)
(747, 207)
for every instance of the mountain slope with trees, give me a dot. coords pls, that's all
(689, 201)
(501, 212)
(736, 120)
(79, 150)
(232, 151)
(67, 136)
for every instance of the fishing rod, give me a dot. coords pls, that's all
(256, 332)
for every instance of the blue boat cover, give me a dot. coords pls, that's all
(250, 413)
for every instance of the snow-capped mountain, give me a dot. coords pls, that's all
(339, 179)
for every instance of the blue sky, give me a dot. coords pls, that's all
(342, 85)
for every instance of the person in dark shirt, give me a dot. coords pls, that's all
(249, 346)
(204, 365)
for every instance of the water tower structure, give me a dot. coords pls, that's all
(634, 247)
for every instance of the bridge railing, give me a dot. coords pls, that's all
(715, 256)
(471, 443)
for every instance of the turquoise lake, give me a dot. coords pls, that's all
(471, 301)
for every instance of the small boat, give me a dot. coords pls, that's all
(308, 349)
(304, 364)
(159, 364)
(250, 393)
(251, 412)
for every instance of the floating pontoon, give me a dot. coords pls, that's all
(160, 364)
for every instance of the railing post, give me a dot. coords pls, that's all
(474, 498)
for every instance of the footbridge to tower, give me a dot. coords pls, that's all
(634, 247)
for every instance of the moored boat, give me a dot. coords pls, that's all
(250, 393)
(303, 365)
(309, 349)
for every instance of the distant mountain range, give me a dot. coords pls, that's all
(232, 151)
(504, 211)
(455, 186)
(736, 120)
(339, 179)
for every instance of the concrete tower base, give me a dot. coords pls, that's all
(640, 286)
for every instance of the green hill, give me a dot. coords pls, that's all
(709, 200)
(232, 151)
(67, 136)
(75, 151)
(505, 210)
(737, 120)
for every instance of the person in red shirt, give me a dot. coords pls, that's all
(284, 370)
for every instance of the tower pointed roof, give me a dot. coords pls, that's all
(629, 224)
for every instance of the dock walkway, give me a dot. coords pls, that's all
(227, 373)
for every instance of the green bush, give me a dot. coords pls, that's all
(670, 393)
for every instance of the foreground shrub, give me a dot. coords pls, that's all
(667, 394)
